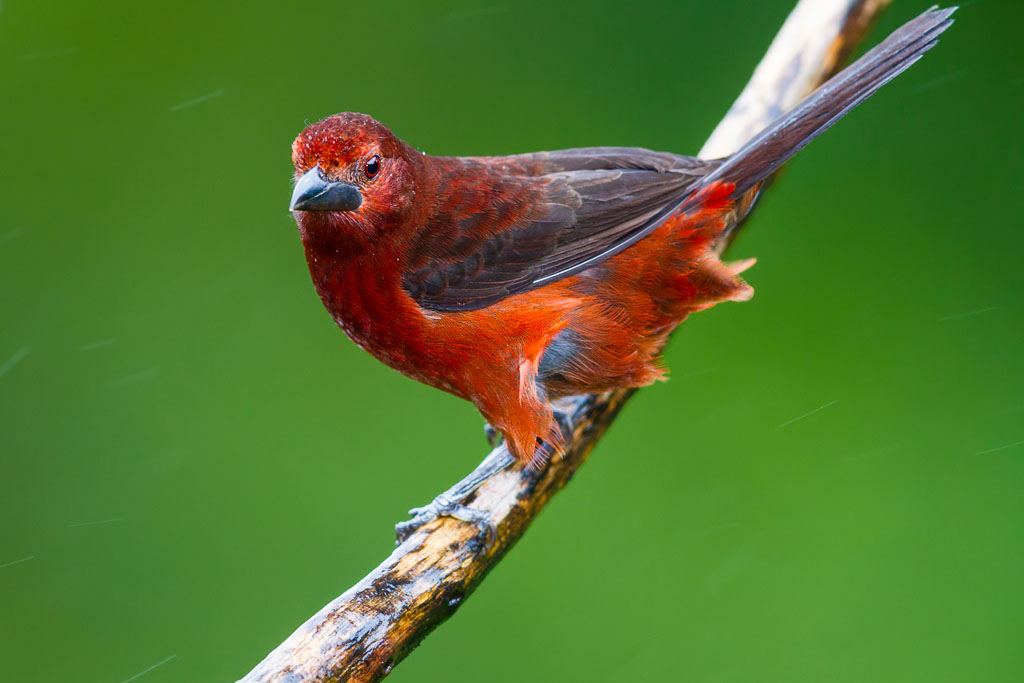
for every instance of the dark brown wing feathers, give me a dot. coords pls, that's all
(547, 211)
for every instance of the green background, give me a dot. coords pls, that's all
(196, 459)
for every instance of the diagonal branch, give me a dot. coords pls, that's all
(363, 633)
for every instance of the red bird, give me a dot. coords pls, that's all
(512, 281)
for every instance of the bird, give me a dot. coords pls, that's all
(513, 281)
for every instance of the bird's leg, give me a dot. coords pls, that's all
(565, 410)
(449, 503)
(568, 410)
(494, 437)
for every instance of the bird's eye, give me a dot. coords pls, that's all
(372, 166)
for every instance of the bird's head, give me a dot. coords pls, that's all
(351, 176)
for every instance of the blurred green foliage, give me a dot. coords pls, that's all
(195, 459)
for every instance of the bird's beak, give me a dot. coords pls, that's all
(313, 192)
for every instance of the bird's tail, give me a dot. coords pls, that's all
(788, 134)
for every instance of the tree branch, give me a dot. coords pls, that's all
(363, 633)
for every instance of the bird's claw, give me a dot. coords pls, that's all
(441, 507)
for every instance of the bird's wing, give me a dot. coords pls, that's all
(506, 225)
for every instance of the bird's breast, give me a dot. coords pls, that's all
(366, 299)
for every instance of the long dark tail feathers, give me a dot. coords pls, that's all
(774, 146)
(791, 132)
(788, 134)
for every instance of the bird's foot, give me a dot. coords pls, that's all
(563, 418)
(451, 502)
(443, 506)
